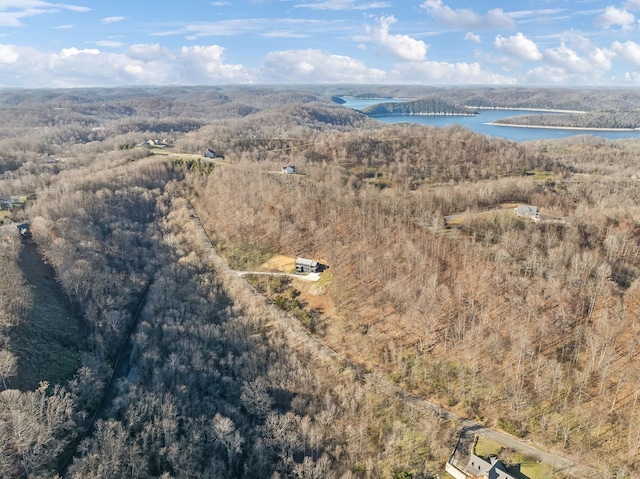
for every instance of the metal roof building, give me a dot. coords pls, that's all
(304, 265)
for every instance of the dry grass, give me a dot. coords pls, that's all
(279, 263)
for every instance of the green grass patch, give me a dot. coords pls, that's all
(519, 465)
(539, 175)
(533, 469)
(325, 278)
(246, 256)
(486, 447)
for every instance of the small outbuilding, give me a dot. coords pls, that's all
(304, 265)
(290, 170)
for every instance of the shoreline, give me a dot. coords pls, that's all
(578, 128)
(421, 114)
(509, 108)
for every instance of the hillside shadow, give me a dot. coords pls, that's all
(48, 343)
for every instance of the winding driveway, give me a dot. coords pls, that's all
(303, 277)
(235, 285)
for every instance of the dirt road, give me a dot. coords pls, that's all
(303, 277)
(299, 335)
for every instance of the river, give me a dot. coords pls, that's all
(482, 123)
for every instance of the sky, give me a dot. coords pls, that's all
(426, 42)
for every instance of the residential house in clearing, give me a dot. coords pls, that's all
(527, 212)
(480, 468)
(304, 265)
(491, 469)
(465, 464)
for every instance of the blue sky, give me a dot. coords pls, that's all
(431, 42)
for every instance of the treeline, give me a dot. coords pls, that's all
(215, 390)
(432, 106)
(101, 235)
(219, 392)
(529, 326)
(604, 120)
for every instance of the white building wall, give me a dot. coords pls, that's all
(454, 471)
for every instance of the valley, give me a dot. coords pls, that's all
(444, 309)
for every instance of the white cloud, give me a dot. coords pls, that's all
(467, 19)
(8, 54)
(472, 37)
(108, 43)
(284, 34)
(140, 64)
(632, 77)
(615, 17)
(73, 8)
(518, 46)
(601, 58)
(569, 60)
(343, 5)
(402, 46)
(537, 13)
(222, 28)
(13, 11)
(73, 51)
(547, 75)
(559, 75)
(445, 73)
(108, 20)
(632, 4)
(206, 63)
(316, 66)
(147, 52)
(628, 50)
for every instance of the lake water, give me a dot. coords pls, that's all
(480, 123)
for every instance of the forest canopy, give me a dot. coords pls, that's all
(439, 302)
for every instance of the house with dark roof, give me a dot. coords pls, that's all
(465, 464)
(491, 469)
(304, 265)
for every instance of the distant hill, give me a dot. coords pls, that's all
(430, 106)
(601, 119)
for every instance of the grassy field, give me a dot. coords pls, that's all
(486, 447)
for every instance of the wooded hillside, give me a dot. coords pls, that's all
(526, 326)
